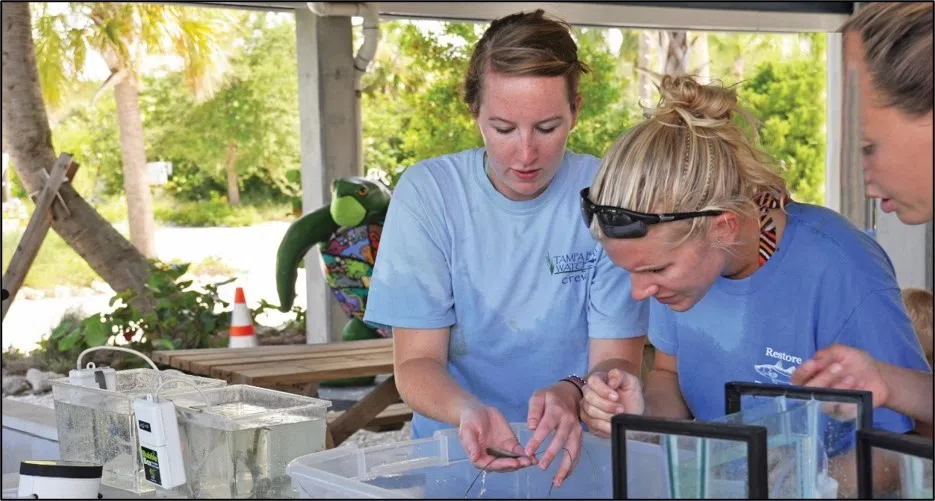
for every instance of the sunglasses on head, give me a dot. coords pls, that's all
(617, 222)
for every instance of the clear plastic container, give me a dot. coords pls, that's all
(98, 426)
(239, 447)
(437, 467)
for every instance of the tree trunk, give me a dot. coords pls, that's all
(700, 49)
(135, 175)
(6, 178)
(28, 140)
(646, 61)
(233, 188)
(738, 67)
(676, 54)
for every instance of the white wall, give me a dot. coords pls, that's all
(909, 248)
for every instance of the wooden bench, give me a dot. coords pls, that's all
(300, 368)
(389, 419)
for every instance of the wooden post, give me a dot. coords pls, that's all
(37, 228)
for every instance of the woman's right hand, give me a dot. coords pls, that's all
(607, 394)
(481, 427)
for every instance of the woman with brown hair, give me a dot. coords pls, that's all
(498, 298)
(888, 46)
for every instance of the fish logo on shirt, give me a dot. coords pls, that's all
(776, 372)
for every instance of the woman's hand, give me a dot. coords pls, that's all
(844, 368)
(482, 427)
(607, 394)
(555, 409)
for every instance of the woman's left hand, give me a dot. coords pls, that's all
(556, 408)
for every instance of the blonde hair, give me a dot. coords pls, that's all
(689, 155)
(524, 44)
(897, 43)
(919, 306)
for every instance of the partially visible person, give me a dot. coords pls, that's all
(745, 283)
(919, 306)
(499, 299)
(889, 46)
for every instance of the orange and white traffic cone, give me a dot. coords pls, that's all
(242, 334)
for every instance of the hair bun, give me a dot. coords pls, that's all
(695, 103)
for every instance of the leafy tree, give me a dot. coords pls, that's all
(250, 127)
(121, 33)
(605, 113)
(788, 98)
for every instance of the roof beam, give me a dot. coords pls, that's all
(774, 17)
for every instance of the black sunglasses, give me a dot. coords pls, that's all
(617, 222)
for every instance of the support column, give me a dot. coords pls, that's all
(909, 248)
(329, 147)
(834, 92)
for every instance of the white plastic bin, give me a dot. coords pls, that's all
(437, 467)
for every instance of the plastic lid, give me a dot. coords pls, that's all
(60, 469)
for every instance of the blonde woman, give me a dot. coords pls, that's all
(746, 284)
(889, 45)
(499, 299)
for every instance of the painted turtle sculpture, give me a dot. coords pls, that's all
(347, 233)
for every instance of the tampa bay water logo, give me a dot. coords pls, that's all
(572, 262)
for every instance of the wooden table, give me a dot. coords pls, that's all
(303, 366)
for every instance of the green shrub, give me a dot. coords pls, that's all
(218, 212)
(182, 317)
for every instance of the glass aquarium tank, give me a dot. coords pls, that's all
(239, 443)
(99, 426)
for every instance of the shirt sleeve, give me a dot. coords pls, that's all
(880, 326)
(662, 333)
(411, 283)
(612, 311)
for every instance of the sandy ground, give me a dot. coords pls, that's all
(250, 250)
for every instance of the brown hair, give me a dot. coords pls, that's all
(524, 44)
(919, 306)
(689, 155)
(897, 40)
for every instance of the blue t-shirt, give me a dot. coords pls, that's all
(522, 285)
(827, 283)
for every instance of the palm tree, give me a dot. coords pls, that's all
(675, 52)
(123, 33)
(700, 49)
(28, 139)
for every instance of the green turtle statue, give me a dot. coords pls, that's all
(347, 232)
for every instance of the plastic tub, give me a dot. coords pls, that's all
(437, 467)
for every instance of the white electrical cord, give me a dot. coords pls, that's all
(116, 348)
(184, 381)
(200, 464)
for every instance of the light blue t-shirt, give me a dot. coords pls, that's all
(827, 283)
(521, 284)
